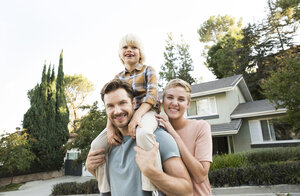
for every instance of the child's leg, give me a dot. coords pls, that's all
(146, 139)
(101, 172)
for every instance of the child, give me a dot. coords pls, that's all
(193, 137)
(143, 123)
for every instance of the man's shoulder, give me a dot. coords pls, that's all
(161, 132)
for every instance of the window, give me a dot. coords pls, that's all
(72, 155)
(265, 130)
(203, 107)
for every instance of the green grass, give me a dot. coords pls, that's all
(11, 187)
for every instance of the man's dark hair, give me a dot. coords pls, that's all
(116, 84)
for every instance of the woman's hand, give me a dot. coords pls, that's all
(166, 124)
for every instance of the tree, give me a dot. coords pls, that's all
(47, 119)
(77, 88)
(89, 127)
(15, 154)
(178, 62)
(215, 28)
(282, 88)
(281, 24)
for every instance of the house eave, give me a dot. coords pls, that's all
(263, 113)
(223, 133)
(215, 91)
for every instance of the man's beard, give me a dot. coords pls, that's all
(118, 126)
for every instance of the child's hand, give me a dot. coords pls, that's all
(113, 136)
(134, 122)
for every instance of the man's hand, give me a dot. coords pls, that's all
(146, 159)
(94, 160)
(134, 122)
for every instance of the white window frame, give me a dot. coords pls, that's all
(209, 106)
(257, 134)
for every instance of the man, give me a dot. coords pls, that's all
(127, 161)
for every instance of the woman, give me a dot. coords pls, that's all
(193, 137)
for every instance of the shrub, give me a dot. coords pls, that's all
(73, 188)
(273, 155)
(228, 161)
(263, 174)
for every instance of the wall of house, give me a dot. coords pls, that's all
(226, 103)
(242, 140)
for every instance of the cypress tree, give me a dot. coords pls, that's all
(46, 120)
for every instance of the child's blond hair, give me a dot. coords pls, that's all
(179, 83)
(132, 40)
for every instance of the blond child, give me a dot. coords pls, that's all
(143, 123)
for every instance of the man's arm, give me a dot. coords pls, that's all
(176, 180)
(94, 159)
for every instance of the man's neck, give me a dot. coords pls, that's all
(124, 131)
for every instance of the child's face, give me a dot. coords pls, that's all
(130, 55)
(175, 102)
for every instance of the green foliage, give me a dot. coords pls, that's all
(77, 88)
(215, 28)
(256, 157)
(282, 88)
(282, 154)
(237, 160)
(15, 154)
(263, 174)
(178, 62)
(73, 188)
(46, 120)
(10, 187)
(89, 127)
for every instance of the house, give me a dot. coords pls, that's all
(238, 123)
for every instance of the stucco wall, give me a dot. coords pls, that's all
(242, 140)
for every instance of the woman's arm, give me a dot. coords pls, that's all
(198, 169)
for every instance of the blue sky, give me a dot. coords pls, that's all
(33, 32)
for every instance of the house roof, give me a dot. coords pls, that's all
(255, 108)
(221, 85)
(230, 128)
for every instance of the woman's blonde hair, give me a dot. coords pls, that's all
(179, 83)
(132, 40)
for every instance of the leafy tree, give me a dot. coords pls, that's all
(178, 62)
(15, 154)
(280, 26)
(47, 119)
(89, 127)
(77, 88)
(215, 28)
(282, 88)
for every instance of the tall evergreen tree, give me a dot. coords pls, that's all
(178, 62)
(47, 119)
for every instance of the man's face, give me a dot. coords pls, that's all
(119, 107)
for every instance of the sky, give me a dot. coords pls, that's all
(34, 32)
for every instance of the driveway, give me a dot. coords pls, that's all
(43, 187)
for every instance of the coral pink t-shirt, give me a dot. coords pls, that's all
(197, 138)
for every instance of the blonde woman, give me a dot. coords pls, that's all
(193, 137)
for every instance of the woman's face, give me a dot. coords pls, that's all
(130, 55)
(175, 102)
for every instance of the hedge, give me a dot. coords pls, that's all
(255, 157)
(73, 188)
(262, 174)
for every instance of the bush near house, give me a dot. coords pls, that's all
(256, 167)
(72, 188)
